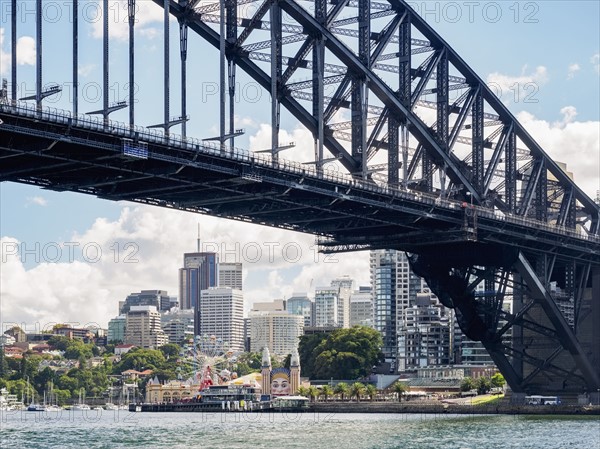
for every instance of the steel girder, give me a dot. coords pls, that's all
(458, 154)
(537, 346)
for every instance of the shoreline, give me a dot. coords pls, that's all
(482, 409)
(384, 408)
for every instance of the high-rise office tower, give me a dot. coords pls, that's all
(345, 287)
(326, 307)
(300, 304)
(157, 298)
(221, 313)
(230, 275)
(199, 272)
(393, 285)
(424, 338)
(116, 330)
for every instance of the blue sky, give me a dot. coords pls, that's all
(553, 44)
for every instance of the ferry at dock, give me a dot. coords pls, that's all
(227, 398)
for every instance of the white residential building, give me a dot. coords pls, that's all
(345, 286)
(326, 307)
(361, 307)
(221, 313)
(278, 331)
(142, 328)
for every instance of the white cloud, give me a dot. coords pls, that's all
(302, 152)
(514, 88)
(595, 60)
(147, 14)
(575, 143)
(37, 200)
(26, 50)
(245, 122)
(86, 69)
(50, 293)
(4, 57)
(276, 264)
(569, 113)
(572, 71)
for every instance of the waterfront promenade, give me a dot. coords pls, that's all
(388, 407)
(438, 407)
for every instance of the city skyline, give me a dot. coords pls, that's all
(141, 246)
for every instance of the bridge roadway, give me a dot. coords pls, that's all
(56, 150)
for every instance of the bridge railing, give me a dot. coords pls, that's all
(194, 145)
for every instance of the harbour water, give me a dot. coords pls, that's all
(122, 429)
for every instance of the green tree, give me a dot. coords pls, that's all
(313, 393)
(4, 370)
(343, 354)
(30, 365)
(248, 362)
(371, 391)
(78, 350)
(338, 365)
(18, 387)
(141, 359)
(287, 361)
(59, 342)
(326, 391)
(165, 375)
(14, 366)
(483, 385)
(62, 396)
(498, 380)
(276, 362)
(343, 389)
(170, 351)
(357, 389)
(467, 384)
(42, 378)
(307, 349)
(400, 388)
(68, 383)
(302, 391)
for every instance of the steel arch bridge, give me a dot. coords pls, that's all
(433, 164)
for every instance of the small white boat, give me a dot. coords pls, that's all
(53, 408)
(79, 407)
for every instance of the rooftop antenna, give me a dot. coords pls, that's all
(198, 237)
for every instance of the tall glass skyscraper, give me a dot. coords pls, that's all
(199, 272)
(384, 282)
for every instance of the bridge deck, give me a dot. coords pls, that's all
(58, 151)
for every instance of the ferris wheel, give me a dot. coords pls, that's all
(207, 361)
